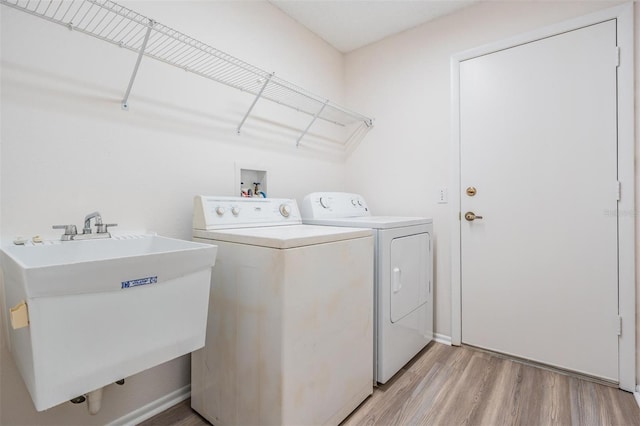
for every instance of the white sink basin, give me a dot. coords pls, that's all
(102, 310)
(88, 266)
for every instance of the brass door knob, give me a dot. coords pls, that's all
(471, 216)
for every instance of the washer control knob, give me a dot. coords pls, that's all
(353, 202)
(285, 210)
(235, 210)
(220, 210)
(360, 203)
(324, 202)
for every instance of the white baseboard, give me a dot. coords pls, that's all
(441, 338)
(154, 407)
(637, 395)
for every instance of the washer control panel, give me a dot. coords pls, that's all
(324, 205)
(213, 212)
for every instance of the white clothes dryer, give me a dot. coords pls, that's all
(403, 300)
(290, 325)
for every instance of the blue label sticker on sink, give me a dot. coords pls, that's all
(139, 281)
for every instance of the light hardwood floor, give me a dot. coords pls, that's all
(446, 385)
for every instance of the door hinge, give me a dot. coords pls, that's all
(619, 326)
(617, 56)
(618, 190)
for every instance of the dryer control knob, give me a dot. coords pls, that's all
(235, 210)
(220, 210)
(285, 210)
(324, 202)
(353, 202)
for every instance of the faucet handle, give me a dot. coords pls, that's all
(69, 231)
(104, 228)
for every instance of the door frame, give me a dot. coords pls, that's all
(626, 175)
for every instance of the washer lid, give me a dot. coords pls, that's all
(284, 237)
(375, 222)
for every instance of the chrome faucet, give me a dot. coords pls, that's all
(71, 232)
(87, 222)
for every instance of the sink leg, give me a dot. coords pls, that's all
(94, 401)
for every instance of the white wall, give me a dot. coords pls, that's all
(68, 149)
(404, 82)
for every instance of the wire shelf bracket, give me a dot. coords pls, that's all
(125, 100)
(123, 27)
(264, 86)
(313, 120)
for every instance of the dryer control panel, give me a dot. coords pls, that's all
(214, 212)
(325, 205)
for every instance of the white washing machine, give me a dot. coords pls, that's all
(290, 325)
(403, 275)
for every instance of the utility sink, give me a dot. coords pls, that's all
(84, 314)
(89, 266)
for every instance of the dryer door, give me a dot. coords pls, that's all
(409, 274)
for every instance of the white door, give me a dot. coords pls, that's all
(538, 144)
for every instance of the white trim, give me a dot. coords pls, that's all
(626, 205)
(154, 407)
(626, 154)
(454, 199)
(441, 338)
(636, 394)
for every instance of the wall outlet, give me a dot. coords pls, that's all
(443, 195)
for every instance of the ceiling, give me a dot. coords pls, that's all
(350, 24)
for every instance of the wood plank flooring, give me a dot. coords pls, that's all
(447, 385)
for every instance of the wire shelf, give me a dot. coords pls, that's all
(116, 24)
